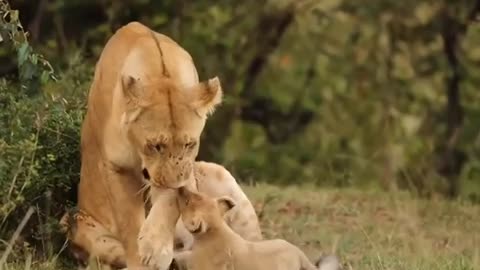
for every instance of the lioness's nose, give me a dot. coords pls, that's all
(181, 191)
(145, 173)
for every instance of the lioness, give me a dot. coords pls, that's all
(146, 111)
(217, 246)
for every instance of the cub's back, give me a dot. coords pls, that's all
(216, 181)
(270, 254)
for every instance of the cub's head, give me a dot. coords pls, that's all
(201, 213)
(163, 122)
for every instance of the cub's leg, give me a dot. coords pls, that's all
(183, 238)
(181, 260)
(88, 238)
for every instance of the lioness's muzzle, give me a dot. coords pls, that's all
(145, 173)
(182, 191)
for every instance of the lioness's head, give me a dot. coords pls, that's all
(163, 122)
(199, 212)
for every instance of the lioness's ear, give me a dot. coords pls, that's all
(131, 115)
(132, 91)
(206, 96)
(131, 88)
(225, 204)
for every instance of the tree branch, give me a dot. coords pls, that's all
(36, 23)
(62, 41)
(270, 31)
(452, 159)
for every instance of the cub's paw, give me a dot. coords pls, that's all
(155, 251)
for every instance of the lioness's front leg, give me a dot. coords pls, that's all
(156, 237)
(89, 238)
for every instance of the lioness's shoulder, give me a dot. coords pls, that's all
(135, 30)
(134, 27)
(147, 42)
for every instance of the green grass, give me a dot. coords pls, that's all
(371, 229)
(367, 229)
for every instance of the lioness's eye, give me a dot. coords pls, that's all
(159, 147)
(190, 145)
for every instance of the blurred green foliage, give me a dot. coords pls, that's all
(33, 68)
(345, 93)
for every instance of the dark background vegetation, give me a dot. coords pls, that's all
(378, 93)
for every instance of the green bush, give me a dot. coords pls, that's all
(40, 119)
(39, 150)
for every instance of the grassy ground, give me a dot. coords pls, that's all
(368, 230)
(372, 230)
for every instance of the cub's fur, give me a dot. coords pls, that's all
(217, 246)
(215, 181)
(146, 111)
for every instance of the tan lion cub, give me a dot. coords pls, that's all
(218, 247)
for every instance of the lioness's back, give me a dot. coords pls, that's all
(133, 50)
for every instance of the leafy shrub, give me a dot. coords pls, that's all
(34, 69)
(40, 120)
(39, 150)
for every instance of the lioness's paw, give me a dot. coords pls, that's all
(155, 252)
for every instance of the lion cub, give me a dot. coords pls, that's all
(217, 246)
(214, 180)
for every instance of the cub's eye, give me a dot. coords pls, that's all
(187, 201)
(190, 145)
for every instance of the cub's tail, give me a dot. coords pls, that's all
(329, 262)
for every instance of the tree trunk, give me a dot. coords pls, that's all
(452, 158)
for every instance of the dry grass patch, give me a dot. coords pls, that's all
(372, 230)
(368, 230)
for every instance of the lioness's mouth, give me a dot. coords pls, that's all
(145, 173)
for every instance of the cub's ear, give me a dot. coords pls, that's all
(131, 88)
(225, 204)
(206, 96)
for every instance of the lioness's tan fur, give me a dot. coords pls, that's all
(217, 246)
(146, 111)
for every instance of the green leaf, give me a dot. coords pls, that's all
(23, 53)
(411, 124)
(34, 59)
(424, 12)
(328, 5)
(44, 77)
(159, 19)
(28, 71)
(13, 16)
